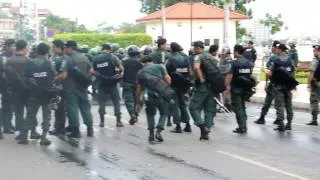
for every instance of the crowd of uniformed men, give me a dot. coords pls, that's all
(57, 79)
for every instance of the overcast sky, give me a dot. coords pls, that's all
(298, 16)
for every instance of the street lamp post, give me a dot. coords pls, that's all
(191, 22)
(163, 34)
(226, 6)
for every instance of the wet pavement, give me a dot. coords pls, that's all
(125, 154)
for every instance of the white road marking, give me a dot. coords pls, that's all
(259, 164)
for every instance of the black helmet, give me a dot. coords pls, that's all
(133, 50)
(147, 50)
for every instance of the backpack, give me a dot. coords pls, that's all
(40, 79)
(281, 74)
(78, 76)
(316, 75)
(106, 71)
(212, 73)
(179, 74)
(158, 85)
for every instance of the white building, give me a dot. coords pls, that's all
(186, 23)
(259, 32)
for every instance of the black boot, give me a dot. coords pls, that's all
(240, 130)
(75, 133)
(276, 122)
(23, 137)
(1, 134)
(280, 127)
(90, 131)
(314, 121)
(177, 129)
(188, 128)
(261, 120)
(169, 124)
(159, 136)
(19, 136)
(204, 132)
(289, 125)
(151, 136)
(101, 120)
(119, 123)
(8, 131)
(133, 120)
(34, 134)
(68, 129)
(44, 141)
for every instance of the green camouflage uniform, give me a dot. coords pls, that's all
(238, 94)
(269, 96)
(153, 100)
(294, 56)
(159, 56)
(315, 92)
(178, 109)
(75, 95)
(17, 63)
(202, 99)
(36, 101)
(6, 98)
(60, 63)
(283, 98)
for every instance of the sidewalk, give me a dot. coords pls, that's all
(300, 96)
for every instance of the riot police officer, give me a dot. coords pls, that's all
(202, 95)
(59, 60)
(79, 78)
(160, 55)
(293, 53)
(241, 69)
(6, 98)
(108, 71)
(281, 71)
(153, 100)
(131, 66)
(268, 88)
(314, 86)
(224, 67)
(15, 70)
(40, 77)
(178, 69)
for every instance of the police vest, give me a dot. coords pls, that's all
(242, 75)
(317, 72)
(179, 73)
(131, 68)
(106, 70)
(283, 74)
(40, 77)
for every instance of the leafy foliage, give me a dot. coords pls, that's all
(275, 23)
(62, 25)
(94, 39)
(131, 28)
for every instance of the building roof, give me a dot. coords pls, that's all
(15, 10)
(199, 11)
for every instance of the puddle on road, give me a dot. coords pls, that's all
(99, 165)
(203, 170)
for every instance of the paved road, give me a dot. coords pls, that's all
(124, 154)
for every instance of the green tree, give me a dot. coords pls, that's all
(275, 23)
(131, 28)
(63, 25)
